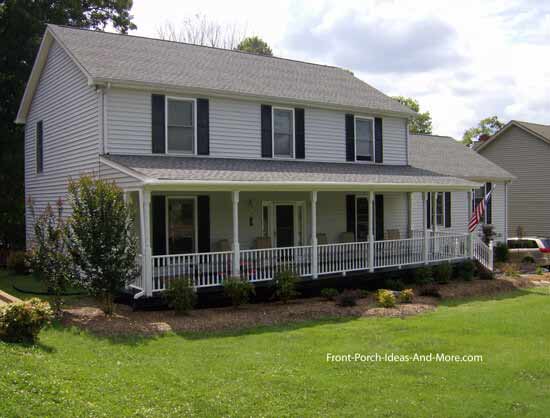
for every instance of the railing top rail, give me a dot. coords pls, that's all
(275, 248)
(192, 254)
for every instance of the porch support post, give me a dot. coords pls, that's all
(314, 255)
(147, 254)
(371, 231)
(425, 225)
(236, 271)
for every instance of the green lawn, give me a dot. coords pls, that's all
(282, 371)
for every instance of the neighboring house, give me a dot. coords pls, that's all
(523, 149)
(240, 164)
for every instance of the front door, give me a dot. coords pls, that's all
(181, 225)
(285, 225)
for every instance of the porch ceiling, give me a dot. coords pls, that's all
(208, 173)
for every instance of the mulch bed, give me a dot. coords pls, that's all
(127, 322)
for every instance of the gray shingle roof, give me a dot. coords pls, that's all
(236, 170)
(444, 155)
(542, 130)
(125, 58)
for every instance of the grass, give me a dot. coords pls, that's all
(282, 371)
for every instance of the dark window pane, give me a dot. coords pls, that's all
(362, 219)
(181, 226)
(282, 132)
(180, 139)
(364, 137)
(180, 113)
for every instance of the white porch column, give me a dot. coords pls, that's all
(314, 258)
(425, 225)
(236, 246)
(371, 231)
(145, 219)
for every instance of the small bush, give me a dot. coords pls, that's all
(285, 285)
(465, 270)
(181, 295)
(348, 297)
(329, 293)
(502, 254)
(423, 275)
(17, 262)
(430, 291)
(22, 321)
(394, 284)
(484, 274)
(442, 273)
(528, 260)
(406, 296)
(509, 270)
(363, 293)
(238, 289)
(385, 298)
(539, 270)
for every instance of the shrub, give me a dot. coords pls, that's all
(509, 270)
(181, 295)
(406, 296)
(102, 239)
(465, 270)
(22, 321)
(348, 297)
(363, 293)
(329, 293)
(539, 270)
(528, 259)
(423, 275)
(442, 272)
(485, 274)
(385, 298)
(394, 284)
(17, 262)
(285, 285)
(238, 289)
(502, 254)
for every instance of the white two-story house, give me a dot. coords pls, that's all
(240, 164)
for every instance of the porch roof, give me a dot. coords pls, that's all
(220, 173)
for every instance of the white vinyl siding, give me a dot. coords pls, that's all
(124, 181)
(68, 108)
(394, 131)
(325, 135)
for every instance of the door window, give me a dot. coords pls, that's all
(181, 226)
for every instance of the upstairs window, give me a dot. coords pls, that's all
(39, 147)
(283, 133)
(180, 125)
(364, 139)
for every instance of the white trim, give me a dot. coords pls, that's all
(123, 169)
(181, 99)
(373, 157)
(195, 220)
(293, 133)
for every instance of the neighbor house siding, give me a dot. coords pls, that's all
(526, 157)
(68, 108)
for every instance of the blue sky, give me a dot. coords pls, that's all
(463, 60)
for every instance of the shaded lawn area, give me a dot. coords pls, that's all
(282, 371)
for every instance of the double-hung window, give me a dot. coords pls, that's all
(439, 209)
(180, 125)
(364, 139)
(283, 133)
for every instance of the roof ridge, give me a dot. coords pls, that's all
(205, 46)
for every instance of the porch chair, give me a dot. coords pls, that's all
(222, 245)
(392, 234)
(347, 237)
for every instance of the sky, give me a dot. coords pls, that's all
(462, 60)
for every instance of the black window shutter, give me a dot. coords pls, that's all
(203, 223)
(350, 213)
(158, 125)
(448, 209)
(378, 141)
(267, 151)
(299, 133)
(489, 215)
(158, 216)
(203, 127)
(350, 138)
(429, 210)
(379, 221)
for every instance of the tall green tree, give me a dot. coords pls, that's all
(255, 45)
(22, 24)
(487, 126)
(420, 124)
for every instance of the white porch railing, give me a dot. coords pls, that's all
(343, 257)
(398, 252)
(447, 247)
(263, 264)
(483, 253)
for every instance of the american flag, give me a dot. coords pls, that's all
(478, 212)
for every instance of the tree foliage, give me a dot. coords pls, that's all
(22, 24)
(101, 239)
(420, 124)
(255, 45)
(487, 126)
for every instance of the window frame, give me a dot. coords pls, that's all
(181, 99)
(373, 156)
(440, 195)
(372, 212)
(293, 133)
(39, 162)
(300, 228)
(195, 221)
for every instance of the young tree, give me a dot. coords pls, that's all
(420, 124)
(49, 257)
(255, 45)
(488, 126)
(101, 239)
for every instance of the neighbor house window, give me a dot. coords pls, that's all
(364, 139)
(39, 147)
(283, 133)
(180, 125)
(181, 225)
